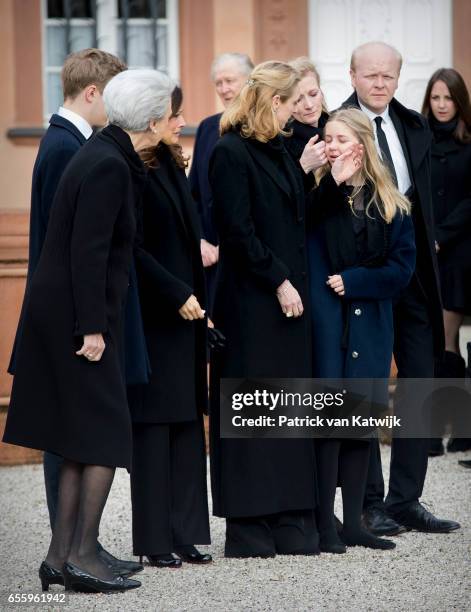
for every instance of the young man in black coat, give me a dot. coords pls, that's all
(229, 72)
(84, 76)
(404, 143)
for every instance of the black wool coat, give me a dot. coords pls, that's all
(416, 141)
(259, 210)
(59, 144)
(451, 191)
(170, 270)
(61, 402)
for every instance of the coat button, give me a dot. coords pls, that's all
(300, 219)
(358, 311)
(301, 247)
(355, 355)
(303, 274)
(441, 192)
(443, 159)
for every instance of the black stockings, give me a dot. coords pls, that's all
(343, 462)
(83, 491)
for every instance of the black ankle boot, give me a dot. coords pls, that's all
(49, 575)
(330, 542)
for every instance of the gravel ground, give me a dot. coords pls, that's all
(425, 572)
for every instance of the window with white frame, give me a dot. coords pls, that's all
(143, 33)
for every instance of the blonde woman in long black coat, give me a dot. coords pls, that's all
(264, 488)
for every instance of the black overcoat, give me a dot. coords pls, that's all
(59, 144)
(170, 270)
(206, 138)
(416, 140)
(451, 191)
(259, 209)
(61, 402)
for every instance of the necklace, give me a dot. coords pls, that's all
(352, 196)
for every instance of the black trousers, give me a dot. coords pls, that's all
(168, 487)
(414, 355)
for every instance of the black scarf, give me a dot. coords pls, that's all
(340, 236)
(442, 130)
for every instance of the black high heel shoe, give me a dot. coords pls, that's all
(190, 554)
(76, 579)
(166, 561)
(49, 575)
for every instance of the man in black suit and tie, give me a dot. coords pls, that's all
(84, 76)
(229, 73)
(403, 140)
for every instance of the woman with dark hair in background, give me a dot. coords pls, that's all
(448, 109)
(265, 488)
(168, 478)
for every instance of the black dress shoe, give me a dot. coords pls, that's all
(465, 463)
(379, 523)
(119, 566)
(458, 445)
(49, 575)
(190, 554)
(419, 518)
(165, 561)
(76, 579)
(436, 448)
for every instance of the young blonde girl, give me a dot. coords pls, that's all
(362, 254)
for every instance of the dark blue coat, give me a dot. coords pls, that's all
(366, 310)
(207, 136)
(59, 144)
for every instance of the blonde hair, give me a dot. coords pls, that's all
(305, 68)
(385, 196)
(252, 110)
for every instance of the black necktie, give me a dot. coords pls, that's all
(384, 147)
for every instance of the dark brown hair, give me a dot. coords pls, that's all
(88, 67)
(460, 96)
(150, 157)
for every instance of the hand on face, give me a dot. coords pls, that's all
(348, 163)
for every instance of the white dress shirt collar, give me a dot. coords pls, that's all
(80, 123)
(371, 115)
